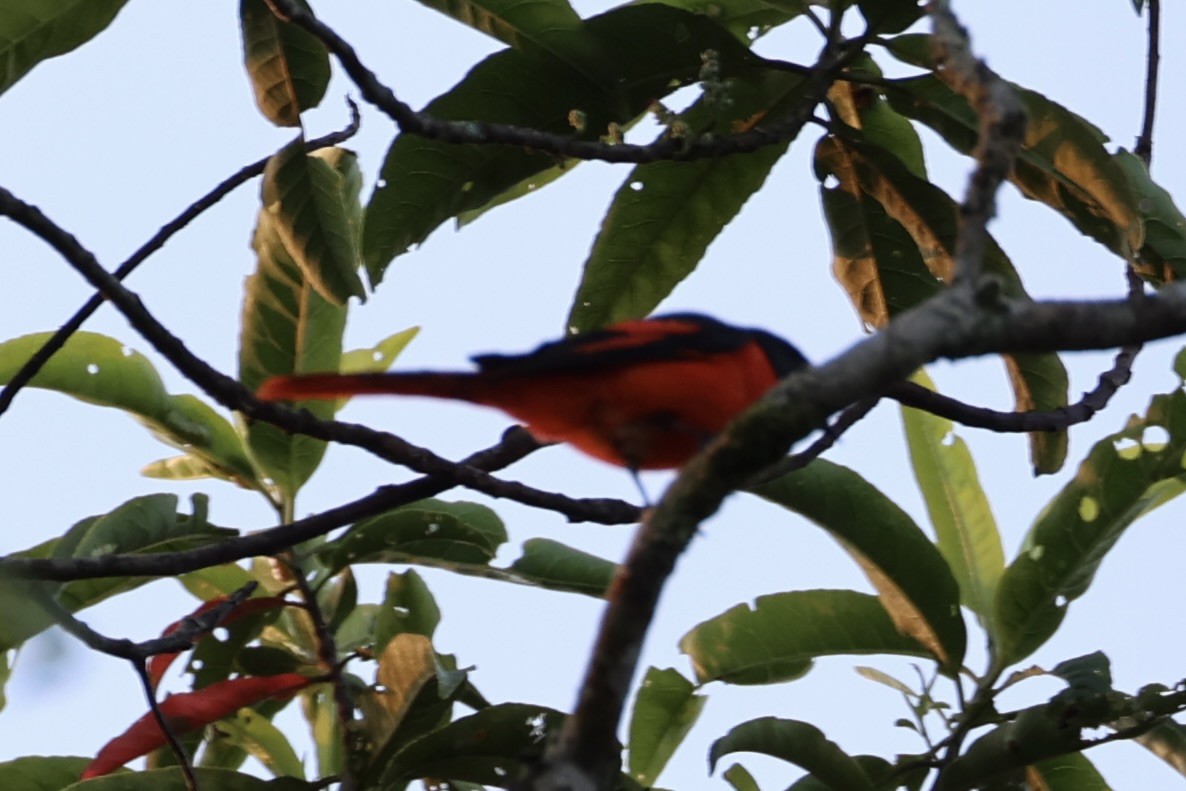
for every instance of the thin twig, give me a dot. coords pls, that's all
(1002, 129)
(181, 640)
(35, 363)
(327, 652)
(231, 394)
(1144, 144)
(187, 771)
(485, 133)
(516, 444)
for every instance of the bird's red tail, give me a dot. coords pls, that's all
(459, 386)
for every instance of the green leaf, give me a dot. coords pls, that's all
(1124, 477)
(740, 779)
(778, 637)
(967, 534)
(376, 359)
(559, 567)
(914, 582)
(665, 710)
(35, 30)
(41, 773)
(408, 608)
(665, 214)
(100, 370)
(459, 531)
(931, 218)
(645, 52)
(288, 66)
(797, 742)
(1063, 162)
(312, 212)
(288, 327)
(259, 738)
(1163, 258)
(379, 357)
(145, 525)
(489, 747)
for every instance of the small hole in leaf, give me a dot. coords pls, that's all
(92, 368)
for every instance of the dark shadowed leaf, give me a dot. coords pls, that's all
(560, 567)
(1124, 477)
(288, 66)
(1063, 162)
(797, 742)
(890, 16)
(488, 747)
(914, 582)
(665, 214)
(665, 709)
(931, 218)
(459, 531)
(1163, 258)
(172, 779)
(778, 637)
(35, 30)
(650, 50)
(312, 202)
(142, 525)
(288, 327)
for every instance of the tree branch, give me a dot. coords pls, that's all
(480, 132)
(35, 363)
(1144, 144)
(516, 444)
(233, 395)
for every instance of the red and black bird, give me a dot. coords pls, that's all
(643, 394)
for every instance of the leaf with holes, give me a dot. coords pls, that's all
(648, 50)
(460, 531)
(489, 747)
(1124, 477)
(666, 213)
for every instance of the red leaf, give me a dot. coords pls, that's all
(158, 664)
(189, 711)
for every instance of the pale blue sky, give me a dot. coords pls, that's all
(116, 138)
